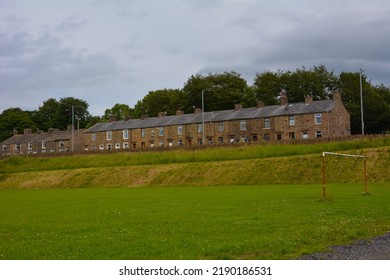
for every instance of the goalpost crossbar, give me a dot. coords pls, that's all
(344, 155)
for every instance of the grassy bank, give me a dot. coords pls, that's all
(230, 222)
(224, 153)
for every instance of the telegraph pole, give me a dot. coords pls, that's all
(361, 99)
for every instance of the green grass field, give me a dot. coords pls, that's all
(212, 222)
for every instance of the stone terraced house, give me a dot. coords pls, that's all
(307, 120)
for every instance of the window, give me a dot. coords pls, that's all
(17, 147)
(200, 141)
(267, 123)
(109, 135)
(109, 146)
(243, 125)
(221, 126)
(318, 118)
(101, 147)
(170, 143)
(30, 145)
(125, 145)
(291, 120)
(4, 148)
(180, 142)
(143, 133)
(220, 140)
(179, 130)
(210, 141)
(43, 145)
(266, 137)
(254, 137)
(200, 128)
(278, 136)
(61, 144)
(125, 134)
(152, 133)
(142, 144)
(161, 131)
(305, 135)
(94, 137)
(291, 135)
(161, 144)
(117, 146)
(318, 134)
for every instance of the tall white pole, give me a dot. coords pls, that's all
(203, 128)
(72, 128)
(361, 99)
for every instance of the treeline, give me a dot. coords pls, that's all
(221, 91)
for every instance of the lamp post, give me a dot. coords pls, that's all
(361, 99)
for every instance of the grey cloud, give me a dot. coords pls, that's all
(70, 24)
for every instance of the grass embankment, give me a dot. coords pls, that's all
(230, 222)
(246, 165)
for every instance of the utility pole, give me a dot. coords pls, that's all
(72, 128)
(203, 140)
(361, 99)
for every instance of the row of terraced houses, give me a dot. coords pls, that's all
(297, 121)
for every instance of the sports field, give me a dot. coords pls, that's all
(207, 222)
(232, 202)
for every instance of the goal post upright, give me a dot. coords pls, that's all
(343, 155)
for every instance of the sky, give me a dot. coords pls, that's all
(117, 51)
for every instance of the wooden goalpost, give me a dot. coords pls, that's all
(343, 155)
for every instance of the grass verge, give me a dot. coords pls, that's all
(230, 222)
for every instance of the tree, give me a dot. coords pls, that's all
(164, 100)
(64, 112)
(14, 118)
(221, 91)
(119, 111)
(46, 116)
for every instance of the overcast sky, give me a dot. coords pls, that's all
(116, 51)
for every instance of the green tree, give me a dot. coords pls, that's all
(46, 115)
(15, 118)
(164, 100)
(119, 111)
(64, 112)
(221, 91)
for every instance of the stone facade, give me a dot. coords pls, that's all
(309, 120)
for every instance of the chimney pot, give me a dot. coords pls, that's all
(260, 104)
(308, 99)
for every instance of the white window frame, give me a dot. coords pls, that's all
(125, 145)
(318, 134)
(29, 146)
(160, 131)
(109, 135)
(125, 133)
(291, 120)
(221, 126)
(117, 146)
(200, 128)
(4, 148)
(243, 125)
(44, 146)
(61, 144)
(179, 130)
(305, 135)
(318, 118)
(267, 123)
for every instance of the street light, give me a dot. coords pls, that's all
(361, 99)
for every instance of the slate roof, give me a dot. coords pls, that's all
(38, 137)
(225, 115)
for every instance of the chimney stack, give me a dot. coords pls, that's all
(162, 114)
(283, 98)
(15, 132)
(27, 131)
(308, 99)
(237, 107)
(111, 118)
(198, 111)
(179, 112)
(260, 104)
(337, 96)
